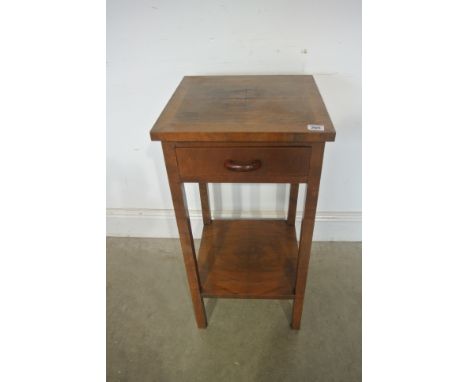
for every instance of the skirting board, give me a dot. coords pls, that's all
(329, 226)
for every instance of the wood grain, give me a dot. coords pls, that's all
(307, 230)
(245, 129)
(185, 233)
(248, 259)
(278, 164)
(244, 108)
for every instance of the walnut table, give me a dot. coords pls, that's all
(249, 129)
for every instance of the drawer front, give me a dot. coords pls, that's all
(243, 164)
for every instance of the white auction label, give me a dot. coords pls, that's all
(315, 127)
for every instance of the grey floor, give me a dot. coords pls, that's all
(152, 336)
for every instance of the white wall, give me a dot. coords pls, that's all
(152, 44)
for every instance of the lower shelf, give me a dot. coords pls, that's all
(248, 259)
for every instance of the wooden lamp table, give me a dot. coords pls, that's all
(246, 129)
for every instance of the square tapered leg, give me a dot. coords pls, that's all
(185, 233)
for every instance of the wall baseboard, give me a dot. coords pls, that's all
(129, 222)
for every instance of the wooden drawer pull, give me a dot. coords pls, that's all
(242, 167)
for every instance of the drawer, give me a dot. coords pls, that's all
(243, 164)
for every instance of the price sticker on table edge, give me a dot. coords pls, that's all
(315, 127)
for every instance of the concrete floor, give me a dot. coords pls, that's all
(152, 336)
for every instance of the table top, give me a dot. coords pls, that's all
(279, 108)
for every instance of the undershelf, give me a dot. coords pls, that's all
(248, 259)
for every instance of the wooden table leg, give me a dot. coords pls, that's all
(294, 190)
(185, 232)
(205, 203)
(307, 229)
